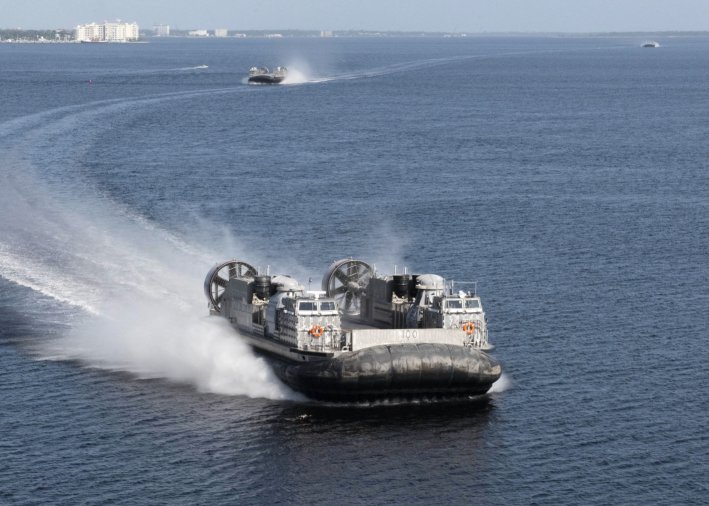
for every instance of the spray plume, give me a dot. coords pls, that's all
(132, 290)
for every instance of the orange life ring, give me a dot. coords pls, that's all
(316, 331)
(468, 327)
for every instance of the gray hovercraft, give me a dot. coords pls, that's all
(364, 336)
(261, 75)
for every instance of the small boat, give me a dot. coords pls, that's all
(261, 75)
(651, 43)
(364, 336)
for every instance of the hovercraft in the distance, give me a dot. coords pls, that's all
(261, 75)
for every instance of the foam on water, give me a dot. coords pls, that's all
(138, 286)
(296, 76)
(503, 383)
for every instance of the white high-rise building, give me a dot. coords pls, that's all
(90, 33)
(107, 32)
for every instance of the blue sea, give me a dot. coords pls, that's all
(567, 176)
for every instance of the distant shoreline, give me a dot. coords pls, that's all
(65, 36)
(71, 41)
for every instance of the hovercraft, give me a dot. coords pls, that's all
(364, 336)
(261, 75)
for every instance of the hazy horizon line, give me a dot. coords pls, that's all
(365, 30)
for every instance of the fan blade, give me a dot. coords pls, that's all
(341, 277)
(339, 290)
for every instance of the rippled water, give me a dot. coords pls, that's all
(567, 176)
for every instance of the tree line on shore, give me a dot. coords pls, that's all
(19, 34)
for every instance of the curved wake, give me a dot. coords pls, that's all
(136, 287)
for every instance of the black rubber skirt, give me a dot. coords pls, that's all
(402, 370)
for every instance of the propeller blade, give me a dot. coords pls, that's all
(341, 276)
(339, 290)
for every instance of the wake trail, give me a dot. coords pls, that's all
(159, 70)
(135, 285)
(305, 77)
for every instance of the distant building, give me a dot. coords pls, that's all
(198, 33)
(326, 33)
(220, 32)
(121, 32)
(161, 30)
(92, 32)
(107, 32)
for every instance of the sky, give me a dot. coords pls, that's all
(470, 16)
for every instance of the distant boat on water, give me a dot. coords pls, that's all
(261, 75)
(650, 43)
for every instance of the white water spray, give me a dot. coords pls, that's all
(299, 72)
(138, 286)
(503, 383)
(296, 76)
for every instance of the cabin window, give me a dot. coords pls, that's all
(327, 306)
(454, 304)
(308, 306)
(472, 304)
